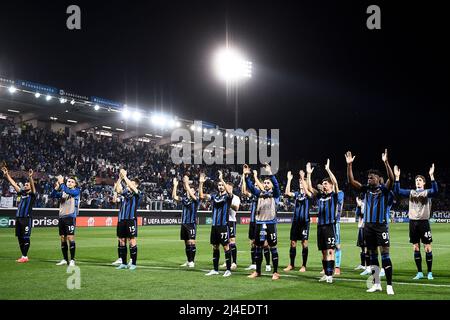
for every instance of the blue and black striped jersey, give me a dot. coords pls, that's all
(26, 203)
(377, 204)
(189, 210)
(220, 205)
(129, 205)
(302, 205)
(329, 206)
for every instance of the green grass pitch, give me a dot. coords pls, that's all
(159, 275)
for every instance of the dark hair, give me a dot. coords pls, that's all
(422, 177)
(137, 181)
(374, 172)
(327, 179)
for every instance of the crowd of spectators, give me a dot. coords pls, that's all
(96, 160)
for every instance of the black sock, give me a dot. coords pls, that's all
(118, 249)
(387, 265)
(193, 249)
(292, 254)
(330, 267)
(26, 246)
(418, 260)
(21, 240)
(362, 255)
(233, 252)
(258, 259)
(133, 254)
(123, 254)
(216, 257)
(267, 255)
(228, 258)
(429, 259)
(64, 250)
(72, 250)
(274, 252)
(305, 256)
(324, 266)
(187, 250)
(374, 259)
(252, 254)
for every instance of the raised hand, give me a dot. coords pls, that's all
(396, 171)
(348, 157)
(60, 179)
(302, 174)
(175, 182)
(30, 173)
(431, 172)
(384, 156)
(5, 171)
(220, 175)
(309, 169)
(245, 169)
(255, 174)
(327, 165)
(185, 179)
(202, 178)
(268, 169)
(289, 175)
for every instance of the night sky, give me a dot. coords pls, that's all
(320, 75)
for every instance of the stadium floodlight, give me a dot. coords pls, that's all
(230, 65)
(12, 89)
(177, 124)
(96, 107)
(37, 94)
(48, 97)
(193, 127)
(125, 113)
(205, 130)
(137, 115)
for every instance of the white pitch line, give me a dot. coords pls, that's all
(269, 275)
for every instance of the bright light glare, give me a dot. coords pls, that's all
(230, 65)
(12, 89)
(37, 94)
(48, 98)
(96, 107)
(125, 113)
(136, 115)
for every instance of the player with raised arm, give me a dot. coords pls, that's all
(127, 228)
(235, 203)
(69, 203)
(266, 221)
(300, 222)
(24, 221)
(190, 203)
(378, 200)
(220, 232)
(419, 214)
(330, 199)
(118, 199)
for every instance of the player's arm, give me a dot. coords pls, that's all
(434, 186)
(309, 171)
(203, 196)
(332, 177)
(303, 182)
(10, 180)
(228, 189)
(349, 159)
(30, 175)
(257, 181)
(244, 187)
(174, 190)
(118, 185)
(56, 193)
(249, 183)
(288, 192)
(390, 173)
(188, 189)
(397, 189)
(128, 182)
(273, 178)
